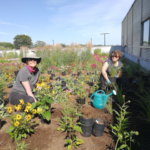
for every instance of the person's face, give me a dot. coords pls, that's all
(114, 57)
(31, 62)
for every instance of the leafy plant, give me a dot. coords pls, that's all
(21, 145)
(140, 83)
(113, 70)
(69, 125)
(43, 106)
(3, 112)
(120, 129)
(21, 121)
(144, 103)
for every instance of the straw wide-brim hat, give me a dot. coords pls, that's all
(31, 55)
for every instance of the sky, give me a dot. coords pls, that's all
(63, 21)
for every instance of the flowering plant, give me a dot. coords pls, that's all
(94, 66)
(43, 105)
(53, 69)
(21, 121)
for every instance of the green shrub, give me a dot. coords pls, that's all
(97, 51)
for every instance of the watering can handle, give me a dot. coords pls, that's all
(95, 93)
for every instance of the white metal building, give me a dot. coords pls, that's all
(136, 31)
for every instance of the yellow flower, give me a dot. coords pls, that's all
(9, 109)
(42, 84)
(16, 123)
(28, 104)
(39, 110)
(53, 92)
(18, 117)
(26, 109)
(34, 111)
(28, 117)
(18, 107)
(21, 101)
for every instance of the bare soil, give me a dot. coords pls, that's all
(46, 137)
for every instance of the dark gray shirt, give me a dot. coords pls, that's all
(25, 75)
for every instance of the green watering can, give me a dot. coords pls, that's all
(100, 99)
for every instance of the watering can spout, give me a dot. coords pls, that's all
(113, 92)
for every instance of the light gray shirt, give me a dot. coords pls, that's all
(25, 75)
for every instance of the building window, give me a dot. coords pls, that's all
(146, 32)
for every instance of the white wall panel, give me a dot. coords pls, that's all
(129, 38)
(146, 9)
(136, 27)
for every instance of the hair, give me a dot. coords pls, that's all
(116, 52)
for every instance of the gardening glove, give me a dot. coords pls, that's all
(116, 76)
(108, 81)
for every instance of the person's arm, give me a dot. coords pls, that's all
(120, 73)
(28, 89)
(104, 68)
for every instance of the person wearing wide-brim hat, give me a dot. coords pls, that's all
(26, 80)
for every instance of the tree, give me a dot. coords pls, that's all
(22, 40)
(39, 43)
(6, 45)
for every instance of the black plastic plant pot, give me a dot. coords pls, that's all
(16, 72)
(88, 73)
(63, 73)
(1, 102)
(62, 79)
(50, 89)
(79, 73)
(86, 126)
(73, 75)
(58, 78)
(64, 87)
(50, 84)
(63, 83)
(91, 83)
(53, 75)
(131, 79)
(98, 127)
(75, 81)
(81, 100)
(44, 121)
(10, 85)
(49, 72)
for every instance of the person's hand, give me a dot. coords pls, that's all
(116, 76)
(108, 81)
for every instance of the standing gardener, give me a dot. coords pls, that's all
(26, 80)
(111, 66)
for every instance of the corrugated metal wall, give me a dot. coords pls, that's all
(130, 41)
(136, 27)
(146, 9)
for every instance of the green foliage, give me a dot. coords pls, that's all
(97, 51)
(120, 129)
(2, 84)
(3, 112)
(68, 124)
(113, 70)
(43, 105)
(144, 103)
(22, 40)
(140, 83)
(21, 145)
(39, 44)
(10, 55)
(6, 45)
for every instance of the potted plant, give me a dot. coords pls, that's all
(94, 66)
(98, 127)
(53, 70)
(43, 108)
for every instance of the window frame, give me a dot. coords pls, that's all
(143, 33)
